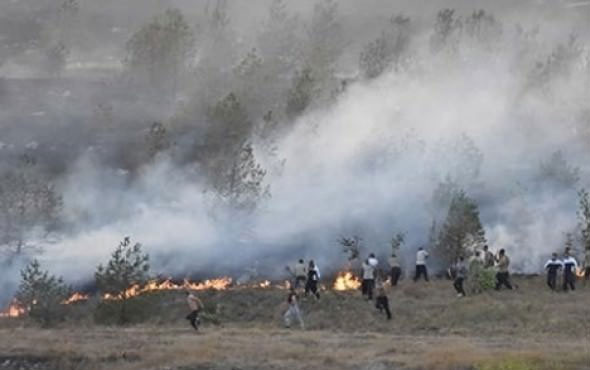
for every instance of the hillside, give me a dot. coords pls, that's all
(530, 328)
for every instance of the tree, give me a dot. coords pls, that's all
(27, 202)
(387, 50)
(584, 217)
(461, 230)
(302, 91)
(128, 266)
(157, 139)
(56, 58)
(324, 39)
(483, 29)
(159, 52)
(42, 294)
(558, 171)
(447, 31)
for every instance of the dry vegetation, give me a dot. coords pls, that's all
(530, 328)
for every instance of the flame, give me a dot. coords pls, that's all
(76, 297)
(346, 281)
(580, 272)
(264, 284)
(153, 286)
(14, 310)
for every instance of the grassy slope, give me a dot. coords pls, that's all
(530, 328)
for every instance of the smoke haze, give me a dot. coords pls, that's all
(488, 111)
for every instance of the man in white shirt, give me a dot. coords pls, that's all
(421, 270)
(569, 271)
(368, 283)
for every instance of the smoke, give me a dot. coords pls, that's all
(367, 163)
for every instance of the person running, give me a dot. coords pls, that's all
(503, 276)
(552, 266)
(195, 305)
(488, 258)
(382, 301)
(569, 271)
(300, 272)
(395, 268)
(313, 278)
(368, 283)
(421, 270)
(293, 310)
(460, 271)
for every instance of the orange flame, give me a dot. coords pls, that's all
(76, 297)
(580, 273)
(153, 285)
(346, 281)
(14, 310)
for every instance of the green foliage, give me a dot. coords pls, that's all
(386, 50)
(27, 200)
(128, 266)
(461, 228)
(397, 241)
(584, 216)
(43, 295)
(484, 279)
(351, 246)
(558, 171)
(301, 93)
(159, 51)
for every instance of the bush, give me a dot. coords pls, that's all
(43, 295)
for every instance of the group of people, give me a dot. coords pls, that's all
(307, 276)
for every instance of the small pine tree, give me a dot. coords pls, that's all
(351, 246)
(43, 295)
(584, 217)
(397, 241)
(301, 93)
(128, 266)
(461, 228)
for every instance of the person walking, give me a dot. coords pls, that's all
(569, 271)
(368, 283)
(395, 269)
(195, 305)
(421, 270)
(552, 266)
(293, 311)
(460, 272)
(300, 272)
(503, 276)
(382, 301)
(313, 278)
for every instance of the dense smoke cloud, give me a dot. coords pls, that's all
(498, 113)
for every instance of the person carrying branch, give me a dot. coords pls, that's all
(313, 278)
(195, 305)
(503, 276)
(300, 272)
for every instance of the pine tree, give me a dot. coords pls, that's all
(42, 294)
(462, 229)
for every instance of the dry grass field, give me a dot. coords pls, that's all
(529, 328)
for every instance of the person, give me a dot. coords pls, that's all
(421, 270)
(552, 266)
(587, 264)
(382, 301)
(313, 277)
(195, 305)
(503, 276)
(300, 272)
(488, 257)
(475, 268)
(373, 261)
(460, 271)
(569, 271)
(368, 283)
(396, 270)
(293, 310)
